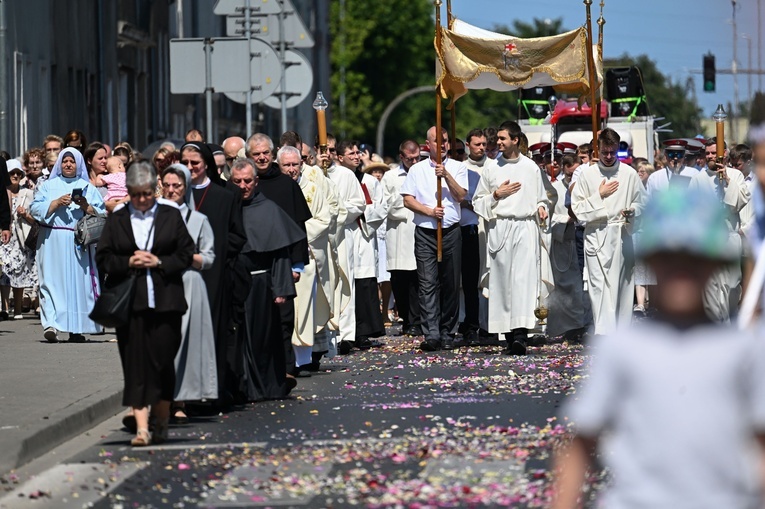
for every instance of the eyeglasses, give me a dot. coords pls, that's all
(231, 159)
(304, 158)
(142, 194)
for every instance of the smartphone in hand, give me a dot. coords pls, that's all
(76, 193)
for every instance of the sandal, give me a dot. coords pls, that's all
(159, 436)
(178, 415)
(142, 438)
(130, 423)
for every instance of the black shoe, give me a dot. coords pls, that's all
(516, 347)
(375, 343)
(413, 331)
(362, 343)
(344, 347)
(488, 339)
(538, 340)
(447, 343)
(462, 342)
(469, 339)
(430, 345)
(77, 338)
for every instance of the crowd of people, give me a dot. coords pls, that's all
(292, 253)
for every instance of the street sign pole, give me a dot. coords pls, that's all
(283, 57)
(248, 34)
(209, 87)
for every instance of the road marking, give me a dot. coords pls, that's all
(68, 486)
(253, 486)
(187, 447)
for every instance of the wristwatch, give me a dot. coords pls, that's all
(159, 263)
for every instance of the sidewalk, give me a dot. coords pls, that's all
(50, 393)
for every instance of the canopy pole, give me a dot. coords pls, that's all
(439, 138)
(593, 83)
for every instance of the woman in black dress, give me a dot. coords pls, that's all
(151, 241)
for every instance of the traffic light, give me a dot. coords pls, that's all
(709, 73)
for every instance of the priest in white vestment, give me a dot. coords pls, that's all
(604, 196)
(312, 308)
(512, 199)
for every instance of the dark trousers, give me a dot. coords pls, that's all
(470, 273)
(439, 298)
(369, 320)
(406, 288)
(287, 315)
(579, 232)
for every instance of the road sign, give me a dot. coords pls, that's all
(296, 35)
(266, 73)
(236, 7)
(188, 67)
(299, 78)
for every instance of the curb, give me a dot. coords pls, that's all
(77, 418)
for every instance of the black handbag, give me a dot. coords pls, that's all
(88, 230)
(31, 241)
(115, 304)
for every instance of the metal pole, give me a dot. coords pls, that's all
(248, 99)
(734, 68)
(283, 53)
(593, 82)
(749, 65)
(389, 109)
(5, 141)
(208, 87)
(179, 17)
(759, 44)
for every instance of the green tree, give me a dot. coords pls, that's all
(379, 49)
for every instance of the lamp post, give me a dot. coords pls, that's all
(320, 105)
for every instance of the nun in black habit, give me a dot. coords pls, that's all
(222, 208)
(270, 233)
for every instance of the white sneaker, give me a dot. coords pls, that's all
(51, 335)
(18, 317)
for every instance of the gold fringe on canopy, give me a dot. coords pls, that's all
(473, 58)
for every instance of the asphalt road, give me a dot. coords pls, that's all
(390, 427)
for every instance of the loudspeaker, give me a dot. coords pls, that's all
(624, 86)
(533, 102)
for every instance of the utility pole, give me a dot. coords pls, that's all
(734, 67)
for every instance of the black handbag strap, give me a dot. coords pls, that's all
(148, 237)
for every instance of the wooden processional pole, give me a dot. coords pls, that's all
(453, 130)
(439, 137)
(593, 75)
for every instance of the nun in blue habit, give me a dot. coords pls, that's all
(67, 272)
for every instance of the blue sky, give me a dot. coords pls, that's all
(674, 33)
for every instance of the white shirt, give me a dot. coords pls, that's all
(142, 223)
(475, 169)
(677, 414)
(421, 183)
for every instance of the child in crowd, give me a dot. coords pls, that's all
(114, 179)
(676, 404)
